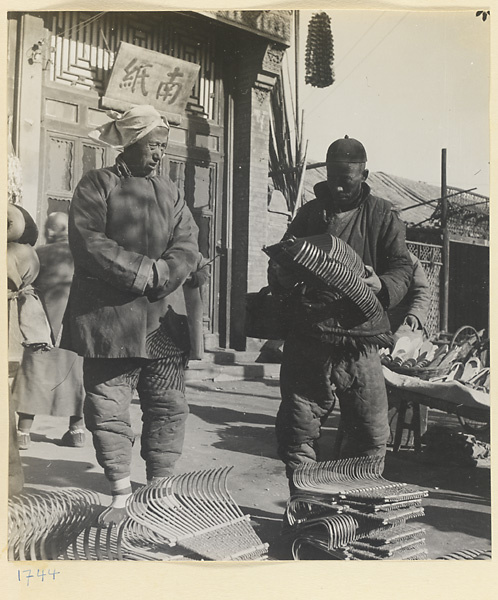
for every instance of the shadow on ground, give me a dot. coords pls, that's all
(469, 522)
(258, 441)
(63, 473)
(249, 437)
(217, 415)
(410, 467)
(268, 526)
(201, 388)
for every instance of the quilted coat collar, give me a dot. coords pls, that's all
(322, 193)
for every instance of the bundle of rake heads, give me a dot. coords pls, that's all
(44, 525)
(186, 517)
(468, 555)
(346, 510)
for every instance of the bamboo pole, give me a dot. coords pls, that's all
(446, 245)
(296, 76)
(299, 194)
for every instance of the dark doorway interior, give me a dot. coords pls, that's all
(469, 286)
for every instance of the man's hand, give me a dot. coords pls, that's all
(412, 322)
(372, 281)
(151, 282)
(284, 277)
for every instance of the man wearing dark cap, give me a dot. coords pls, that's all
(322, 358)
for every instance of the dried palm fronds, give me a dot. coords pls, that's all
(287, 162)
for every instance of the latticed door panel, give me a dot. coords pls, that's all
(68, 158)
(431, 258)
(67, 151)
(83, 47)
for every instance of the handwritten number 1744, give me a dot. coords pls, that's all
(26, 575)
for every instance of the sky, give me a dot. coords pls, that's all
(407, 84)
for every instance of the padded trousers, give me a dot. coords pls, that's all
(312, 375)
(109, 386)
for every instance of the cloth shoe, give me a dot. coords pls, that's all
(23, 440)
(74, 438)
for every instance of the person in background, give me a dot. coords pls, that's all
(408, 319)
(28, 324)
(321, 358)
(134, 244)
(412, 312)
(51, 383)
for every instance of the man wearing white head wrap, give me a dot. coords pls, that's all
(125, 130)
(134, 244)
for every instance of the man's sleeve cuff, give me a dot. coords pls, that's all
(383, 296)
(162, 270)
(421, 317)
(143, 275)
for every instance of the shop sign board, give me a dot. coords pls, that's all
(142, 76)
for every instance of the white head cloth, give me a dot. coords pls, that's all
(126, 129)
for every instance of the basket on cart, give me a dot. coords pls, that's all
(422, 373)
(466, 344)
(471, 406)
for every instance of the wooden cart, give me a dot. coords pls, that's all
(450, 397)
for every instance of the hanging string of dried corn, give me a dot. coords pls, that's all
(319, 56)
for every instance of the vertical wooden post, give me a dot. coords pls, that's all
(446, 245)
(225, 244)
(296, 80)
(29, 111)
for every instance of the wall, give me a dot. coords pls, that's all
(28, 126)
(277, 226)
(258, 68)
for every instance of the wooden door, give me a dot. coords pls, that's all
(83, 47)
(67, 151)
(197, 169)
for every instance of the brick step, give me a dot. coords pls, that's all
(202, 370)
(221, 356)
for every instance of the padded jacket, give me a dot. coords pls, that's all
(417, 301)
(122, 229)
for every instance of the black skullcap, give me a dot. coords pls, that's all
(347, 150)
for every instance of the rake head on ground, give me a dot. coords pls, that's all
(43, 524)
(359, 477)
(195, 511)
(337, 503)
(187, 517)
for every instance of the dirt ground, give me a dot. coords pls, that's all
(232, 423)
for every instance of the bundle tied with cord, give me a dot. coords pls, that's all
(328, 263)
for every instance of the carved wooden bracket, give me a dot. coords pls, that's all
(272, 59)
